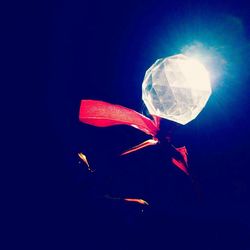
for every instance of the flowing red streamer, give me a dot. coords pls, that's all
(103, 114)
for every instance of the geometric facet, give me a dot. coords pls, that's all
(176, 88)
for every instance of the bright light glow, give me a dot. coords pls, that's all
(211, 57)
(176, 88)
(196, 75)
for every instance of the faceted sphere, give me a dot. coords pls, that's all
(176, 88)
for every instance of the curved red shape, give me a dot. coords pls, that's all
(181, 162)
(103, 114)
(140, 201)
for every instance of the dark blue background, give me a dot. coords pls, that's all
(73, 50)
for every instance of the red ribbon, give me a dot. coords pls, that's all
(103, 114)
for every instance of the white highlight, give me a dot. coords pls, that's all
(196, 75)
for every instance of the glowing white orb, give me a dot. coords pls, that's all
(176, 88)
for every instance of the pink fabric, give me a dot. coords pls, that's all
(103, 114)
(182, 162)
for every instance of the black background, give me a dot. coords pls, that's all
(65, 51)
